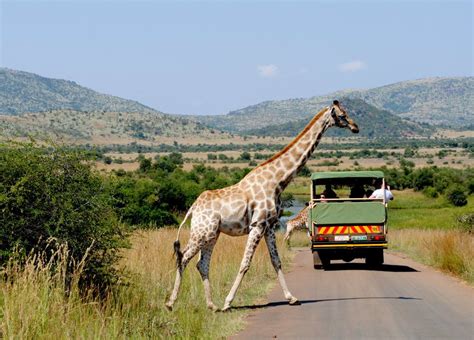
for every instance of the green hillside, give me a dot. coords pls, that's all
(101, 127)
(22, 92)
(448, 101)
(372, 121)
(31, 105)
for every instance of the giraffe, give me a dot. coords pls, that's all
(297, 222)
(251, 206)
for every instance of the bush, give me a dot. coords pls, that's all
(54, 195)
(430, 192)
(304, 171)
(456, 196)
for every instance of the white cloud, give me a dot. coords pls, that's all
(352, 66)
(267, 71)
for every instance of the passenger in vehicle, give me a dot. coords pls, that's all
(328, 192)
(357, 191)
(378, 194)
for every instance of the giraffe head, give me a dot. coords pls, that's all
(341, 119)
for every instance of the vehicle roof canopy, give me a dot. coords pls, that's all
(342, 177)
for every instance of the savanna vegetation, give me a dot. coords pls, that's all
(75, 264)
(85, 254)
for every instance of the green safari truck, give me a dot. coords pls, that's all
(345, 221)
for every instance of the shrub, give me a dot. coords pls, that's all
(54, 194)
(430, 192)
(304, 171)
(456, 196)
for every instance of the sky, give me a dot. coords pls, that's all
(192, 57)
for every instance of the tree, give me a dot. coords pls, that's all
(54, 194)
(456, 196)
(245, 156)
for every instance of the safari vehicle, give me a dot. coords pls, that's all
(346, 228)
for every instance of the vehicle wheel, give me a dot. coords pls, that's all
(317, 260)
(326, 261)
(375, 258)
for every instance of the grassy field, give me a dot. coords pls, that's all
(33, 304)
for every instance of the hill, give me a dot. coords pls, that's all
(447, 101)
(22, 92)
(32, 105)
(99, 127)
(372, 121)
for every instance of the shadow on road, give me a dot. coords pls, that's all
(363, 266)
(304, 302)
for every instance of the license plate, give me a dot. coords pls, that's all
(341, 238)
(359, 237)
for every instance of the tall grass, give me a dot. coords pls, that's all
(33, 303)
(451, 251)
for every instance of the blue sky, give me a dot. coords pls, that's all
(211, 57)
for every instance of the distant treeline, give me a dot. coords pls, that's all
(466, 143)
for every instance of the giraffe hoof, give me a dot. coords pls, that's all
(294, 302)
(226, 308)
(212, 307)
(169, 306)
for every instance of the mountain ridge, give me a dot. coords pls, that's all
(435, 100)
(22, 92)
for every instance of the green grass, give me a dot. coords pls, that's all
(412, 209)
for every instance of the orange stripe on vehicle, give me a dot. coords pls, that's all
(358, 229)
(321, 230)
(330, 230)
(366, 229)
(339, 230)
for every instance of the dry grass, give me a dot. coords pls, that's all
(33, 303)
(452, 251)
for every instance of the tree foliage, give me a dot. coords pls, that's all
(52, 194)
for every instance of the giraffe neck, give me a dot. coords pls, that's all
(285, 164)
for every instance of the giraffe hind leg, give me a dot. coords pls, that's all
(203, 268)
(191, 250)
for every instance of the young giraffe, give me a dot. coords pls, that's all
(298, 222)
(252, 206)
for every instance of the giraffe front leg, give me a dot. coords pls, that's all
(270, 240)
(255, 236)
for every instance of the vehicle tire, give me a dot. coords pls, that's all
(326, 261)
(375, 258)
(317, 261)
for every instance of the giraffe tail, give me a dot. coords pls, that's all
(177, 244)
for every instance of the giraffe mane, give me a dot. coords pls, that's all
(297, 138)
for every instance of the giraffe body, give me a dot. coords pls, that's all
(252, 206)
(299, 222)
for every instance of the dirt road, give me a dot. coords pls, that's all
(402, 300)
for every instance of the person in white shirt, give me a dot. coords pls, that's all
(378, 194)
